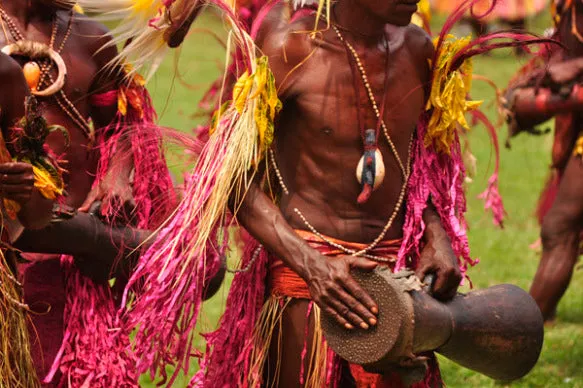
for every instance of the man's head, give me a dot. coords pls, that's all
(396, 12)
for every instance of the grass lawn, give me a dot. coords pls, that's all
(504, 255)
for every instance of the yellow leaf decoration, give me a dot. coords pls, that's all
(449, 96)
(257, 92)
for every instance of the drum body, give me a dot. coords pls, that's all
(497, 331)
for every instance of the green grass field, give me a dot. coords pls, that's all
(504, 255)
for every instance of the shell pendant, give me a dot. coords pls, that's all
(379, 170)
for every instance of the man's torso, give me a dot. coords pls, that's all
(318, 137)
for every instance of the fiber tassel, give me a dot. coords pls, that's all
(16, 365)
(227, 361)
(141, 26)
(92, 354)
(492, 197)
(169, 279)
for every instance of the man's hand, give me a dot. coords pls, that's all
(182, 18)
(438, 258)
(563, 73)
(120, 197)
(338, 294)
(16, 182)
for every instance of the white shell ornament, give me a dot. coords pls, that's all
(379, 169)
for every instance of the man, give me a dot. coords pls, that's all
(86, 105)
(544, 89)
(321, 191)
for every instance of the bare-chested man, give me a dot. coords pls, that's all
(553, 90)
(318, 144)
(78, 41)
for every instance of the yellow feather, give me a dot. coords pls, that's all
(448, 96)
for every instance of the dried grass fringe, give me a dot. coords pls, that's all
(16, 365)
(269, 319)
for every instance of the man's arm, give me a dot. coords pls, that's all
(437, 257)
(328, 279)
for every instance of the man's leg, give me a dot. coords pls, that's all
(560, 237)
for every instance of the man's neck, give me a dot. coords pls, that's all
(363, 27)
(27, 11)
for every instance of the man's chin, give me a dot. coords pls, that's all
(401, 22)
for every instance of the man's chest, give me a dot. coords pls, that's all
(340, 101)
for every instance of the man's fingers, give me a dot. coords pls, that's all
(446, 284)
(356, 312)
(16, 189)
(359, 294)
(17, 179)
(92, 197)
(330, 311)
(15, 168)
(422, 271)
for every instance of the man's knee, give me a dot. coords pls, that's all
(559, 228)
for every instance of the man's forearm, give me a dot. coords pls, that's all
(82, 235)
(433, 226)
(265, 222)
(532, 106)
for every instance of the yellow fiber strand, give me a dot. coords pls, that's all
(318, 362)
(448, 97)
(243, 133)
(16, 366)
(269, 319)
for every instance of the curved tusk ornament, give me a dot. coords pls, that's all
(36, 51)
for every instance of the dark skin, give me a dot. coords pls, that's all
(17, 179)
(560, 233)
(318, 146)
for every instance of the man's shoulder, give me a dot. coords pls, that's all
(10, 72)
(94, 34)
(419, 42)
(289, 40)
